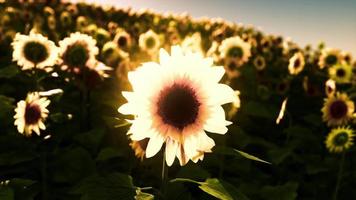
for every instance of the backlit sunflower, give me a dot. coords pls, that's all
(329, 57)
(330, 87)
(337, 109)
(34, 51)
(182, 101)
(149, 42)
(259, 62)
(341, 73)
(296, 63)
(31, 114)
(235, 48)
(77, 51)
(339, 139)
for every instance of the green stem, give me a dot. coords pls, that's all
(164, 173)
(339, 176)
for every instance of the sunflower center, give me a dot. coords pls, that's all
(235, 52)
(122, 41)
(32, 113)
(331, 59)
(232, 66)
(297, 63)
(35, 52)
(178, 106)
(338, 109)
(76, 55)
(150, 42)
(340, 139)
(340, 72)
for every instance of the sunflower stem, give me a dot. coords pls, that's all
(164, 173)
(339, 176)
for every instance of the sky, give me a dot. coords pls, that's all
(304, 21)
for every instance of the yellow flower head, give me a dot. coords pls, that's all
(339, 139)
(341, 73)
(329, 57)
(149, 42)
(296, 63)
(235, 48)
(337, 109)
(259, 62)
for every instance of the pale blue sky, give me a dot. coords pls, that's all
(305, 21)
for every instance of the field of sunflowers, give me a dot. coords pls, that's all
(103, 103)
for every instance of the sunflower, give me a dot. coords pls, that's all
(149, 42)
(31, 113)
(339, 139)
(346, 57)
(123, 40)
(192, 44)
(259, 62)
(329, 57)
(341, 73)
(337, 109)
(182, 101)
(296, 63)
(139, 147)
(34, 51)
(235, 48)
(77, 51)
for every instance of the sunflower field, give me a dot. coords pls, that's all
(104, 103)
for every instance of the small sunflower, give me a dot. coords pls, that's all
(329, 57)
(259, 62)
(337, 109)
(182, 101)
(339, 139)
(296, 63)
(123, 40)
(330, 87)
(192, 44)
(139, 147)
(235, 48)
(34, 51)
(341, 73)
(346, 57)
(77, 51)
(149, 42)
(31, 113)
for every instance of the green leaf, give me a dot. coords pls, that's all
(143, 195)
(213, 187)
(6, 193)
(251, 157)
(9, 71)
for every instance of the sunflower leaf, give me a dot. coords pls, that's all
(251, 157)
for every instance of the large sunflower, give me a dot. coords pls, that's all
(34, 51)
(339, 139)
(182, 100)
(337, 109)
(31, 113)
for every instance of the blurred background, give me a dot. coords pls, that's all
(304, 21)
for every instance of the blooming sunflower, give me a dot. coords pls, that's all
(77, 51)
(235, 48)
(341, 73)
(259, 62)
(31, 113)
(337, 109)
(34, 51)
(296, 63)
(329, 57)
(123, 40)
(182, 101)
(149, 42)
(339, 139)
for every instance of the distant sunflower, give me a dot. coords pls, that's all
(235, 48)
(182, 101)
(329, 57)
(77, 51)
(123, 40)
(330, 87)
(339, 139)
(192, 44)
(259, 62)
(31, 113)
(296, 63)
(337, 109)
(346, 57)
(341, 73)
(149, 42)
(34, 51)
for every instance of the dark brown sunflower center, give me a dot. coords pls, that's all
(232, 66)
(297, 63)
(178, 106)
(338, 109)
(122, 41)
(235, 52)
(32, 113)
(35, 52)
(340, 73)
(331, 59)
(76, 55)
(150, 42)
(340, 139)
